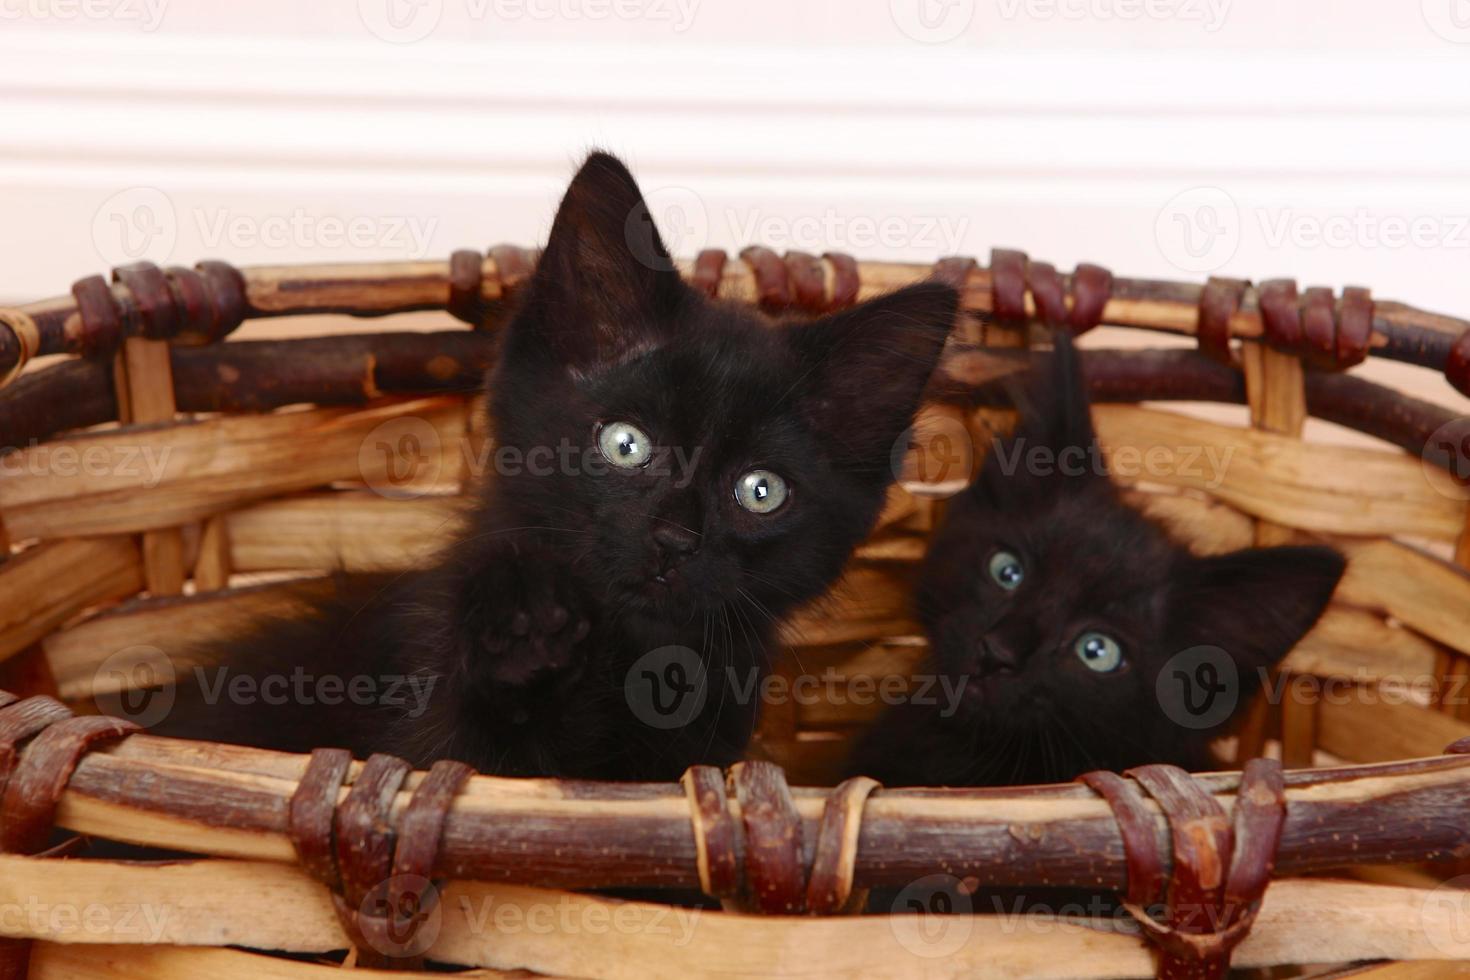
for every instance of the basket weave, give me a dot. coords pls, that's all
(163, 483)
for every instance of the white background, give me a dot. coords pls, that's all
(1322, 139)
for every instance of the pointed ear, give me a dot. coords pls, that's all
(1053, 447)
(865, 369)
(1255, 604)
(605, 285)
(1055, 407)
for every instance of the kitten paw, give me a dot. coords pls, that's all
(533, 619)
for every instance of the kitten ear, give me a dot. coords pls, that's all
(1055, 408)
(1054, 446)
(1255, 604)
(866, 369)
(605, 284)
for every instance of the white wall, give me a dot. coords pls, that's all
(1077, 129)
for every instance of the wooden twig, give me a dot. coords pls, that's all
(232, 802)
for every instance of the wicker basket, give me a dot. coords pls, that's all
(164, 485)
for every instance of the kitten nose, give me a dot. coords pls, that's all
(994, 656)
(675, 540)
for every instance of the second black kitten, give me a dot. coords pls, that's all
(1083, 637)
(673, 475)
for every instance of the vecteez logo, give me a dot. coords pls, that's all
(1198, 230)
(1198, 688)
(147, 15)
(667, 688)
(932, 21)
(1446, 459)
(134, 224)
(1450, 19)
(936, 453)
(136, 683)
(400, 21)
(401, 458)
(933, 916)
(677, 216)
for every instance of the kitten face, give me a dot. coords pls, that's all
(715, 456)
(1059, 612)
(1062, 604)
(678, 532)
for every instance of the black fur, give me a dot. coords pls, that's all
(1031, 710)
(530, 620)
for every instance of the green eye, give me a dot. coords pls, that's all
(760, 491)
(1099, 652)
(1007, 571)
(624, 444)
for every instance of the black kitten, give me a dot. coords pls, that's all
(1082, 637)
(673, 475)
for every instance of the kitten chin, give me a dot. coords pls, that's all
(673, 476)
(1080, 634)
